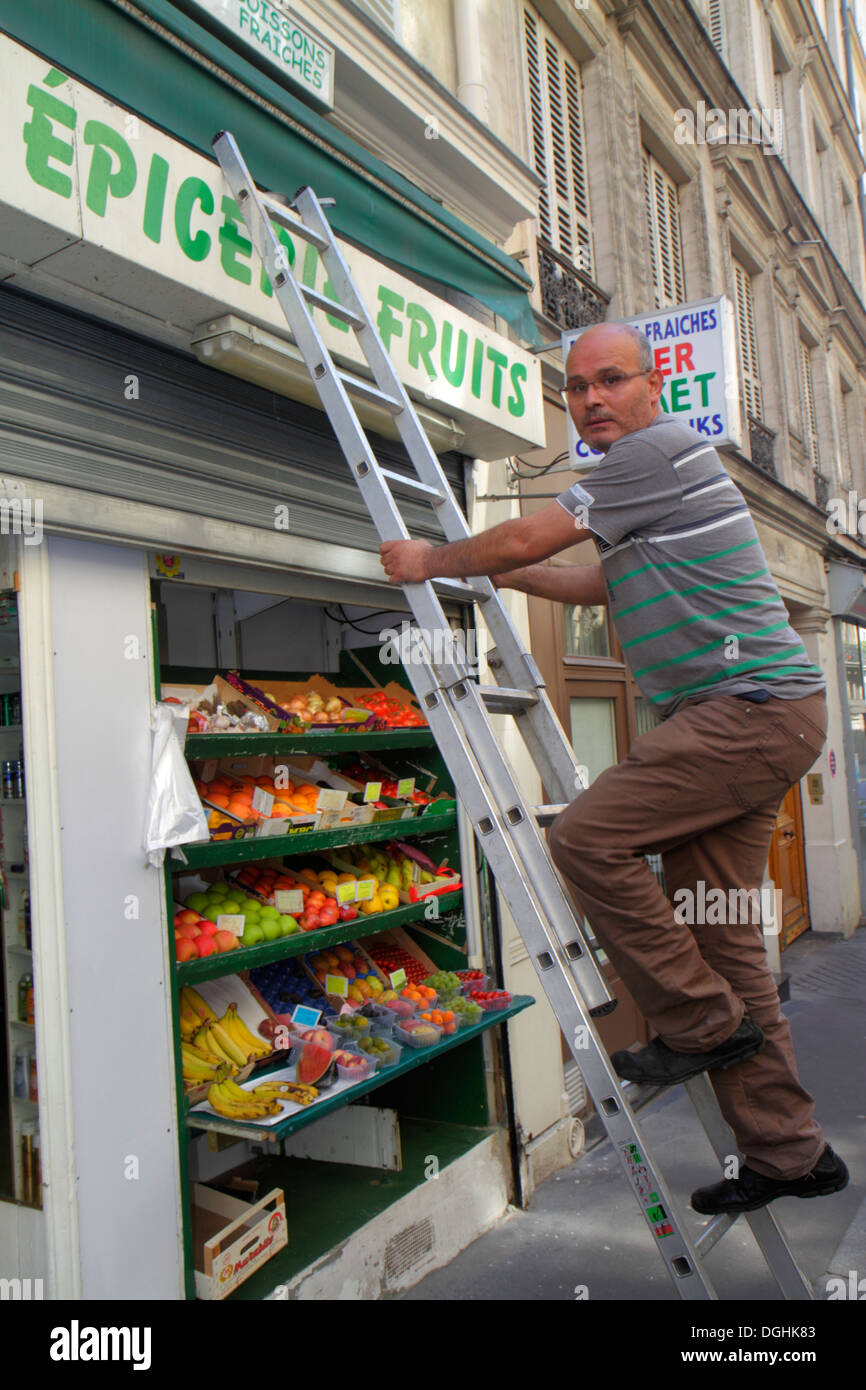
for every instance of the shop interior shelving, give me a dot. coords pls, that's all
(18, 959)
(444, 1082)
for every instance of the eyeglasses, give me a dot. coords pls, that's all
(606, 384)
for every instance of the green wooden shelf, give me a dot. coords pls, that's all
(237, 745)
(273, 846)
(409, 1060)
(193, 972)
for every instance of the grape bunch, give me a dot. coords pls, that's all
(444, 982)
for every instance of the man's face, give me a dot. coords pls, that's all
(621, 402)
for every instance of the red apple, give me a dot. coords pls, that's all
(189, 930)
(226, 941)
(205, 946)
(186, 917)
(207, 927)
(186, 949)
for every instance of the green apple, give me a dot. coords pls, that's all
(251, 905)
(271, 928)
(230, 905)
(270, 912)
(253, 934)
(197, 901)
(219, 889)
(288, 924)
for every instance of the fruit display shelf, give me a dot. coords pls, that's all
(193, 972)
(238, 745)
(202, 856)
(410, 1059)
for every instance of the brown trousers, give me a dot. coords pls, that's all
(702, 789)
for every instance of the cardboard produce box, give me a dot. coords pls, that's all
(232, 1239)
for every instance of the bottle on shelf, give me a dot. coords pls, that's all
(37, 1169)
(8, 779)
(28, 940)
(27, 1133)
(21, 1084)
(32, 1084)
(25, 999)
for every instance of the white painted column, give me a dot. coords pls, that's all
(104, 1022)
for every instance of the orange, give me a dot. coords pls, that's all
(239, 808)
(219, 799)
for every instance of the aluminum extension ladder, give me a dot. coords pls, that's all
(456, 706)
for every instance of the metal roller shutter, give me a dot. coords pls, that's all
(194, 440)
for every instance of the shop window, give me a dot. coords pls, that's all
(593, 733)
(853, 657)
(663, 213)
(586, 631)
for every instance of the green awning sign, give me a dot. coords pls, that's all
(134, 216)
(273, 33)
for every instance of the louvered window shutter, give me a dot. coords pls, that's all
(747, 342)
(557, 143)
(662, 205)
(385, 12)
(715, 25)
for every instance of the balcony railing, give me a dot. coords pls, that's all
(761, 440)
(822, 490)
(568, 296)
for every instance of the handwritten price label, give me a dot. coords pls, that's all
(372, 791)
(397, 979)
(345, 893)
(337, 984)
(290, 900)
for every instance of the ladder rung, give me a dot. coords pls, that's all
(330, 306)
(413, 487)
(718, 1227)
(369, 392)
(278, 212)
(455, 588)
(500, 700)
(546, 815)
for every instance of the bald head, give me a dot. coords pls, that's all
(612, 387)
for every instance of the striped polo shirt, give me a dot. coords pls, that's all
(695, 607)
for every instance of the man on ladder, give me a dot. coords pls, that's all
(743, 716)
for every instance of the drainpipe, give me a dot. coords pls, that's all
(471, 89)
(845, 13)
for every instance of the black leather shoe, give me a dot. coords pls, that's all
(752, 1190)
(660, 1065)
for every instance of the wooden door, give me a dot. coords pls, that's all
(787, 862)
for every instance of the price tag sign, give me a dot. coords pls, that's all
(364, 889)
(263, 801)
(307, 1017)
(337, 984)
(329, 799)
(345, 892)
(235, 922)
(290, 900)
(276, 826)
(397, 979)
(405, 787)
(372, 791)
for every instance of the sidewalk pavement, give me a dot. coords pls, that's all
(584, 1226)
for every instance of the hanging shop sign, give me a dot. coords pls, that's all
(95, 198)
(694, 347)
(274, 34)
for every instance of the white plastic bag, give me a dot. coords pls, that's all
(174, 812)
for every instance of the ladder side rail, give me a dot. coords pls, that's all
(769, 1236)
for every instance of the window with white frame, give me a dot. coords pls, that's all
(557, 142)
(663, 212)
(807, 399)
(747, 342)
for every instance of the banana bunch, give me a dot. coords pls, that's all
(209, 1043)
(233, 1103)
(285, 1090)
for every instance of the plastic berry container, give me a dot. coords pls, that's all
(411, 1039)
(491, 1005)
(469, 1020)
(357, 1073)
(401, 1008)
(468, 985)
